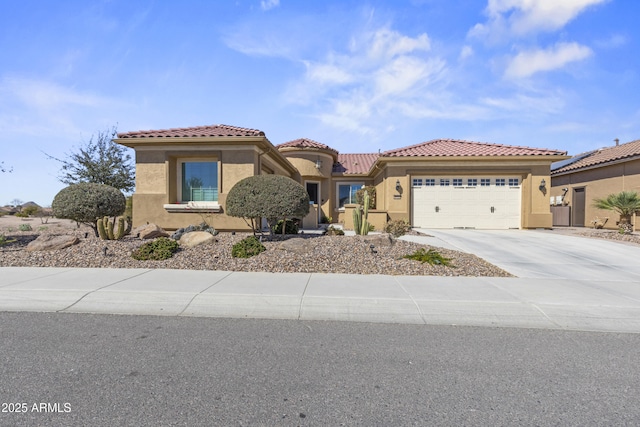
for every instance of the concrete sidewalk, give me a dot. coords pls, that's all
(593, 305)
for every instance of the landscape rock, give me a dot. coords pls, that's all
(378, 240)
(150, 231)
(51, 242)
(296, 245)
(195, 238)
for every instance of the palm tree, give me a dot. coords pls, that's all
(624, 203)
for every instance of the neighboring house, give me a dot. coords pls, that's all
(576, 182)
(436, 184)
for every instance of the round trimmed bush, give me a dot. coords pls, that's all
(87, 201)
(247, 247)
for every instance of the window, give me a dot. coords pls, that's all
(444, 182)
(199, 181)
(472, 182)
(347, 193)
(457, 182)
(499, 182)
(417, 182)
(514, 182)
(485, 182)
(430, 182)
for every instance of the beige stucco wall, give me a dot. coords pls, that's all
(598, 183)
(304, 161)
(157, 180)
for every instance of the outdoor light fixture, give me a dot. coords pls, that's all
(543, 185)
(398, 188)
(318, 164)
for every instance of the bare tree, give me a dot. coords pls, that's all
(3, 168)
(100, 161)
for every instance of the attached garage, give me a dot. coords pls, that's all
(484, 202)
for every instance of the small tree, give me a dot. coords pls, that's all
(86, 202)
(624, 203)
(273, 197)
(100, 161)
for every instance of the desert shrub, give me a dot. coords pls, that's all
(372, 196)
(30, 210)
(21, 215)
(397, 227)
(25, 227)
(431, 256)
(5, 241)
(157, 250)
(247, 247)
(86, 202)
(272, 197)
(290, 227)
(332, 231)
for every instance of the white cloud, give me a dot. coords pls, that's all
(269, 4)
(465, 52)
(47, 95)
(520, 17)
(527, 63)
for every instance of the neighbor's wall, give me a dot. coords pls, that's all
(598, 183)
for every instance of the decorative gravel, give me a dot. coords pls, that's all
(328, 254)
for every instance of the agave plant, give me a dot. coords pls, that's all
(624, 203)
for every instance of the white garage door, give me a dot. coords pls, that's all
(490, 202)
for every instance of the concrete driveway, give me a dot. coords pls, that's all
(544, 254)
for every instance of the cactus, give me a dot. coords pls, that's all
(106, 228)
(360, 216)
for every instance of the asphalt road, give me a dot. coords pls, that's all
(79, 369)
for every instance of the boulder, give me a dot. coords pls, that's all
(296, 245)
(385, 239)
(195, 238)
(50, 242)
(150, 231)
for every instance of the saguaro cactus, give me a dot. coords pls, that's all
(106, 228)
(361, 215)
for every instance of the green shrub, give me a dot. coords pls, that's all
(247, 247)
(272, 197)
(290, 228)
(5, 241)
(157, 250)
(30, 210)
(25, 227)
(397, 227)
(21, 215)
(431, 256)
(86, 202)
(332, 231)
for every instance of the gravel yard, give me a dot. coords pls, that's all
(328, 254)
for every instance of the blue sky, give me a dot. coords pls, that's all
(359, 76)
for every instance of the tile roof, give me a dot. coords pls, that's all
(599, 157)
(353, 164)
(455, 147)
(193, 132)
(305, 143)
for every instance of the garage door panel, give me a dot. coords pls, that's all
(467, 206)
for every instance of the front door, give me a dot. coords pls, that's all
(313, 189)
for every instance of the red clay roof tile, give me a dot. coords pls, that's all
(455, 147)
(193, 132)
(600, 157)
(305, 143)
(354, 164)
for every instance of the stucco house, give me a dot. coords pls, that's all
(577, 181)
(444, 183)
